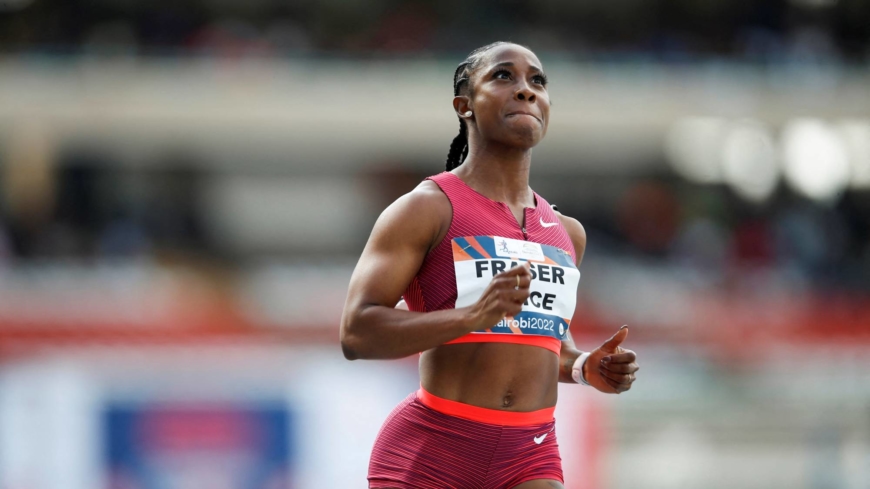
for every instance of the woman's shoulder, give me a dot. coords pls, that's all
(572, 226)
(426, 197)
(424, 212)
(575, 231)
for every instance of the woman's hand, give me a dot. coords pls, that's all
(611, 368)
(504, 296)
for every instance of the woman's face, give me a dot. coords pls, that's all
(509, 98)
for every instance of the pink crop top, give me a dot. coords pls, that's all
(484, 238)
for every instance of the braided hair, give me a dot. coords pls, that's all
(461, 83)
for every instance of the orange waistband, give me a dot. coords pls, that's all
(484, 415)
(546, 342)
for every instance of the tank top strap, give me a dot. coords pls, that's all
(458, 191)
(468, 204)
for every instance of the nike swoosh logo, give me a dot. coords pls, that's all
(539, 439)
(547, 224)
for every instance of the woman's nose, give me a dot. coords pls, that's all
(524, 93)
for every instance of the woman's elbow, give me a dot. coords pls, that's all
(349, 353)
(349, 349)
(358, 339)
(350, 342)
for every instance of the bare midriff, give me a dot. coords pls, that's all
(500, 376)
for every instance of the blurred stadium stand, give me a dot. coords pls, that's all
(185, 188)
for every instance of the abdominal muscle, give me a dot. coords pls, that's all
(503, 376)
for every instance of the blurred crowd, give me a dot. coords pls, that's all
(710, 229)
(74, 206)
(659, 30)
(86, 209)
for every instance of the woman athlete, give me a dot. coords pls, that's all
(489, 274)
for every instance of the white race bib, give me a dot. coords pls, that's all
(553, 291)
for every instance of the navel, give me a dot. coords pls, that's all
(508, 400)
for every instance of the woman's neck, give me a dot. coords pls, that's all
(501, 174)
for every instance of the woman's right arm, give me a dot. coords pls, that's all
(371, 327)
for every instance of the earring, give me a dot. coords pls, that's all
(467, 114)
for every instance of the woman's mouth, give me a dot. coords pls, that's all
(523, 113)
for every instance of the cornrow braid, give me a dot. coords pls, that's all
(458, 148)
(461, 78)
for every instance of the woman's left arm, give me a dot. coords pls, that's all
(609, 368)
(569, 352)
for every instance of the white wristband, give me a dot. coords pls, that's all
(577, 369)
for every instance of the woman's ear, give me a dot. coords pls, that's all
(462, 106)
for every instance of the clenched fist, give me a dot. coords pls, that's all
(504, 296)
(611, 368)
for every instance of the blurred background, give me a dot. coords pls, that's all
(185, 188)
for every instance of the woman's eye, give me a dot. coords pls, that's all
(502, 74)
(539, 79)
